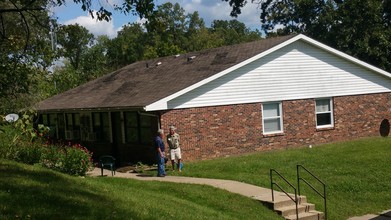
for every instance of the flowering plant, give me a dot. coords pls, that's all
(73, 159)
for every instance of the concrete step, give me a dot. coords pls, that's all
(312, 215)
(283, 201)
(291, 210)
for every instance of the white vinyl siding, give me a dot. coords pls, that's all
(324, 113)
(297, 71)
(272, 118)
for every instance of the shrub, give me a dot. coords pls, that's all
(52, 157)
(73, 160)
(77, 160)
(21, 142)
(11, 142)
(17, 139)
(29, 153)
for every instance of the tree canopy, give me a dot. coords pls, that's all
(24, 48)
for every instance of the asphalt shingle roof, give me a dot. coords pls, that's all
(144, 82)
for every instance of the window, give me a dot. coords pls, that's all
(324, 113)
(272, 118)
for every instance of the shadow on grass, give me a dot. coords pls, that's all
(35, 193)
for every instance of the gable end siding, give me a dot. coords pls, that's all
(297, 71)
(222, 131)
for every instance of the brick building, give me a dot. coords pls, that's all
(275, 93)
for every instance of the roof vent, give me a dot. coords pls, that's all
(178, 55)
(191, 58)
(147, 65)
(158, 63)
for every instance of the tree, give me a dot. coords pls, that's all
(127, 47)
(25, 51)
(204, 39)
(198, 36)
(283, 17)
(234, 32)
(166, 29)
(236, 6)
(74, 40)
(195, 23)
(363, 31)
(95, 60)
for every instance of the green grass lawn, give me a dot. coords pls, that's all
(32, 192)
(357, 173)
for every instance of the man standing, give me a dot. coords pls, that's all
(175, 150)
(159, 146)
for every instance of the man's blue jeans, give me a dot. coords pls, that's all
(160, 165)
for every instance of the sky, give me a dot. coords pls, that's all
(209, 10)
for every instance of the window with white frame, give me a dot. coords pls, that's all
(324, 113)
(272, 117)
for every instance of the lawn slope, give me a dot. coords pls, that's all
(32, 192)
(357, 173)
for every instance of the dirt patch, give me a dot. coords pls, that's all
(126, 169)
(135, 169)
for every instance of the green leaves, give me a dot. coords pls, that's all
(74, 40)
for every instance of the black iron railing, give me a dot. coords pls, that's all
(313, 188)
(272, 183)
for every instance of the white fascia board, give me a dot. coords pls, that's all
(162, 103)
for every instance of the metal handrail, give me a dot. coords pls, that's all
(272, 183)
(313, 188)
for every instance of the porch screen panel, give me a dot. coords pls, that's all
(60, 126)
(69, 122)
(76, 126)
(145, 129)
(96, 125)
(52, 124)
(131, 127)
(45, 119)
(101, 126)
(105, 127)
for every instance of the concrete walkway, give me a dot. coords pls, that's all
(248, 190)
(255, 192)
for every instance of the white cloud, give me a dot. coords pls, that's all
(219, 10)
(251, 15)
(95, 26)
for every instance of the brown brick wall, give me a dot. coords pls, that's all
(221, 131)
